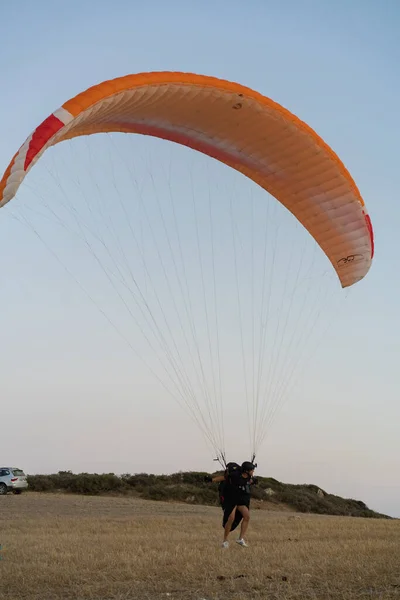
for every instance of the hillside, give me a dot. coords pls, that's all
(189, 487)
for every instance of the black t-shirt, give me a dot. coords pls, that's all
(237, 486)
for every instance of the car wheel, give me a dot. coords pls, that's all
(3, 489)
(17, 491)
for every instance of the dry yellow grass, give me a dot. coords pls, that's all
(57, 547)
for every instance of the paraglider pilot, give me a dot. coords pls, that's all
(234, 492)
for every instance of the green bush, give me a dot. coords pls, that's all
(82, 483)
(41, 483)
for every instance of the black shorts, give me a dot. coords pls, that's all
(243, 500)
(229, 504)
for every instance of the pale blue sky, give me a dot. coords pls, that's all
(335, 65)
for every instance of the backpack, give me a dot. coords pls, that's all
(231, 468)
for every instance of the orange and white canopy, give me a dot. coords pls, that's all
(236, 126)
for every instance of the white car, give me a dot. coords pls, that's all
(12, 480)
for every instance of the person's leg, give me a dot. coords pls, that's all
(237, 520)
(246, 518)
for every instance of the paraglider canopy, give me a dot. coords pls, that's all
(235, 125)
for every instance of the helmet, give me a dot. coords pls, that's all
(248, 466)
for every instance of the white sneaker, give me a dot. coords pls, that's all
(225, 544)
(241, 542)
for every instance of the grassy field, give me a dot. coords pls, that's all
(58, 546)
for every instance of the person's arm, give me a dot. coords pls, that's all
(215, 479)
